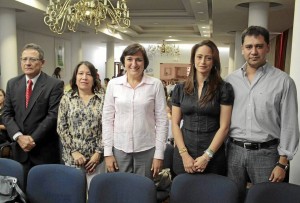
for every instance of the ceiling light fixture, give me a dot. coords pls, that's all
(164, 49)
(61, 14)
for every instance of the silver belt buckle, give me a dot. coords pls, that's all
(247, 144)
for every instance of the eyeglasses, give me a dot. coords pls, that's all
(31, 60)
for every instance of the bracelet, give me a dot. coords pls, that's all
(182, 150)
(206, 158)
(210, 153)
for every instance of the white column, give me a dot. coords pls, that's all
(231, 58)
(110, 59)
(8, 46)
(76, 49)
(258, 14)
(238, 57)
(294, 73)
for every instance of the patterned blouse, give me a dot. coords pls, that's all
(79, 126)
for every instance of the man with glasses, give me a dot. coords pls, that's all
(30, 111)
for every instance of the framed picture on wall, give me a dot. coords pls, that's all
(168, 71)
(59, 53)
(174, 71)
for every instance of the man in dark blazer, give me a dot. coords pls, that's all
(33, 128)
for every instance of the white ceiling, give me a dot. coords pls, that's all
(155, 20)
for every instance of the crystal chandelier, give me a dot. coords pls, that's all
(164, 49)
(62, 14)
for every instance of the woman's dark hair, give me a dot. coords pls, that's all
(3, 92)
(256, 31)
(214, 79)
(57, 72)
(133, 49)
(93, 71)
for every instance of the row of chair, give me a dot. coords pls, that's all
(57, 183)
(211, 188)
(54, 183)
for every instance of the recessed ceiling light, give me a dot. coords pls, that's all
(172, 40)
(200, 12)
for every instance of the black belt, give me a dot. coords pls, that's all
(255, 145)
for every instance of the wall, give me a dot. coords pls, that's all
(184, 58)
(288, 52)
(271, 54)
(96, 54)
(295, 72)
(48, 45)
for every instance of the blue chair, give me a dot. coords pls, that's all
(9, 167)
(204, 188)
(56, 183)
(273, 193)
(121, 188)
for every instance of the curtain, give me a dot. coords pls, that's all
(280, 52)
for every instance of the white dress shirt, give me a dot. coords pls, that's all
(135, 120)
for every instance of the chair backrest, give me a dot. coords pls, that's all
(9, 167)
(273, 193)
(56, 183)
(204, 188)
(168, 158)
(121, 188)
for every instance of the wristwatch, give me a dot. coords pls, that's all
(284, 167)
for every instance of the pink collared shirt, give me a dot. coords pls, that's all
(135, 120)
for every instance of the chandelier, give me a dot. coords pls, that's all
(62, 14)
(164, 49)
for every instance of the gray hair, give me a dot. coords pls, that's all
(35, 47)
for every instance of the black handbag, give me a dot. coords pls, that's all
(163, 181)
(10, 191)
(6, 150)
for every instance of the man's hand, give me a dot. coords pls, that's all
(277, 175)
(26, 142)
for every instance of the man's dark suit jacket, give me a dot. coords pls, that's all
(39, 120)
